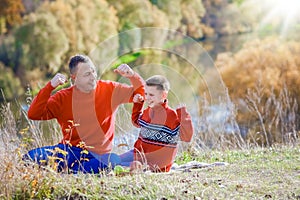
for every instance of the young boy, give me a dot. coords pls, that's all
(161, 127)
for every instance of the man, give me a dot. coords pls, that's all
(86, 113)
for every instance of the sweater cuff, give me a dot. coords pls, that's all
(181, 112)
(134, 76)
(49, 86)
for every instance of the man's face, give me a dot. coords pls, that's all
(85, 77)
(153, 96)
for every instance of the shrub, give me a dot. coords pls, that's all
(10, 85)
(262, 80)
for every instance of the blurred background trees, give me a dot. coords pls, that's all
(39, 36)
(10, 14)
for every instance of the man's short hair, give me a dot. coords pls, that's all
(159, 81)
(75, 60)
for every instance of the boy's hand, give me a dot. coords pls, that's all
(58, 79)
(138, 98)
(124, 70)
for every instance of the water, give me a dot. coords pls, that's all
(230, 43)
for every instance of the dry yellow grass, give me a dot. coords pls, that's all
(262, 81)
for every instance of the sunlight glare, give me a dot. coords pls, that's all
(283, 14)
(286, 7)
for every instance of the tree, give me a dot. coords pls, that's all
(10, 86)
(43, 42)
(139, 14)
(85, 23)
(228, 17)
(10, 13)
(192, 12)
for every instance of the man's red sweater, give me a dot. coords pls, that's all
(87, 118)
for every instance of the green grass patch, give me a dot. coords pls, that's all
(259, 173)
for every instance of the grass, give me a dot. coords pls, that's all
(259, 173)
(253, 172)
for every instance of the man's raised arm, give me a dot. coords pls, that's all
(39, 109)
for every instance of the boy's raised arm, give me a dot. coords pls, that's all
(186, 125)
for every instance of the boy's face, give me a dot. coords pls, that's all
(153, 96)
(85, 77)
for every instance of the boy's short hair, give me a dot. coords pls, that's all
(159, 81)
(75, 60)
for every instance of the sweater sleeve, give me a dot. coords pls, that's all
(136, 111)
(186, 125)
(124, 93)
(137, 84)
(39, 108)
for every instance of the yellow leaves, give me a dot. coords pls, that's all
(33, 179)
(53, 162)
(72, 165)
(11, 10)
(26, 136)
(73, 124)
(18, 151)
(25, 177)
(84, 152)
(82, 145)
(84, 159)
(43, 161)
(34, 183)
(68, 130)
(24, 130)
(55, 159)
(58, 150)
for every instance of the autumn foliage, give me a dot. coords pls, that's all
(263, 82)
(10, 13)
